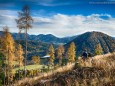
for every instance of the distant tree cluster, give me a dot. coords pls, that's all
(61, 55)
(69, 55)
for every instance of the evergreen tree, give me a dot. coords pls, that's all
(19, 55)
(51, 53)
(71, 53)
(98, 50)
(60, 52)
(36, 59)
(24, 23)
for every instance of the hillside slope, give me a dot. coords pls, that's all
(97, 71)
(35, 48)
(89, 40)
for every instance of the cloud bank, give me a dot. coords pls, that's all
(65, 25)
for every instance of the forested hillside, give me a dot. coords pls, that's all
(89, 40)
(35, 48)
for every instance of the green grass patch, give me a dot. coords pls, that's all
(29, 67)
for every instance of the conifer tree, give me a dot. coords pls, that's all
(2, 65)
(19, 55)
(24, 23)
(71, 53)
(60, 52)
(8, 46)
(51, 53)
(98, 50)
(2, 69)
(36, 59)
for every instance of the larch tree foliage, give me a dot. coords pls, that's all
(2, 66)
(98, 50)
(19, 55)
(71, 53)
(2, 72)
(51, 53)
(24, 22)
(60, 52)
(8, 46)
(36, 59)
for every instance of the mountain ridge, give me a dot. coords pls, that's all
(89, 40)
(48, 38)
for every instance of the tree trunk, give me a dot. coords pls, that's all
(8, 65)
(25, 54)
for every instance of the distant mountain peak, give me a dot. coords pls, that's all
(94, 33)
(50, 35)
(89, 40)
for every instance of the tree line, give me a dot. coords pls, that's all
(61, 54)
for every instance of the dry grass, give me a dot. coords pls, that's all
(45, 75)
(96, 71)
(107, 61)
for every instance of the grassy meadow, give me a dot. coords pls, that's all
(29, 67)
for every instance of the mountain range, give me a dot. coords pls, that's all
(39, 44)
(48, 38)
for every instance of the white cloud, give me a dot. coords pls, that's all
(65, 25)
(8, 12)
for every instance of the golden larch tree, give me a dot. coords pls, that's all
(71, 53)
(98, 50)
(51, 53)
(24, 22)
(8, 46)
(19, 55)
(36, 59)
(60, 52)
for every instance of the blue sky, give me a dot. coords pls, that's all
(62, 17)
